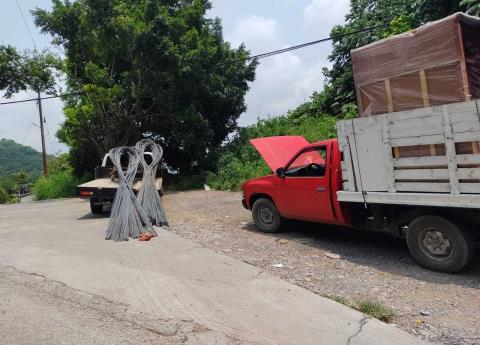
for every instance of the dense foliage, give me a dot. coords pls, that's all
(154, 68)
(60, 185)
(27, 71)
(11, 185)
(239, 161)
(15, 157)
(61, 181)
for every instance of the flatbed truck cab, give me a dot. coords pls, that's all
(304, 185)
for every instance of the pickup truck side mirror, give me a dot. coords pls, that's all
(280, 172)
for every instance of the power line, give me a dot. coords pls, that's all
(46, 97)
(303, 45)
(26, 24)
(256, 57)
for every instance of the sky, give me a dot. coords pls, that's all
(282, 81)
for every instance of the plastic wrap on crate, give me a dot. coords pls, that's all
(435, 64)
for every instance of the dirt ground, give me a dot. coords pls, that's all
(371, 265)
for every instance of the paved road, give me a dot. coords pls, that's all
(61, 280)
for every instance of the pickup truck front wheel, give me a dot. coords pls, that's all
(439, 244)
(265, 215)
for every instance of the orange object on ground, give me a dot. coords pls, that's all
(145, 236)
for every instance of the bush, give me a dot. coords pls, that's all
(175, 183)
(239, 161)
(4, 197)
(60, 185)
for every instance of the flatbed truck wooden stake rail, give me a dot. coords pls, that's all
(372, 178)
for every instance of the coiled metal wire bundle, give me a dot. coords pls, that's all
(127, 218)
(148, 195)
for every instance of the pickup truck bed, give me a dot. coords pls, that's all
(427, 156)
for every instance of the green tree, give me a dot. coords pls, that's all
(4, 197)
(147, 68)
(471, 6)
(11, 78)
(35, 71)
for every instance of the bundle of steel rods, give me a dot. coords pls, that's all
(127, 218)
(148, 195)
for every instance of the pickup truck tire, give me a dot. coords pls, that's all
(265, 215)
(438, 244)
(96, 209)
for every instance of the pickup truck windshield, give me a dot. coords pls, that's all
(310, 163)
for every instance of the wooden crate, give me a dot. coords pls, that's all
(392, 152)
(432, 65)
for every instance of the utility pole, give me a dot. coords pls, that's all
(44, 152)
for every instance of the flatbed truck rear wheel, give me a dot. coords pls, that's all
(438, 244)
(265, 215)
(96, 209)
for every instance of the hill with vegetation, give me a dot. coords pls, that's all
(15, 158)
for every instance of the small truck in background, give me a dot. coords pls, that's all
(101, 191)
(373, 178)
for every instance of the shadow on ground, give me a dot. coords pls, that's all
(377, 250)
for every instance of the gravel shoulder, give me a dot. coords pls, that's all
(371, 265)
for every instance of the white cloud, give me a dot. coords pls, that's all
(261, 34)
(321, 15)
(282, 81)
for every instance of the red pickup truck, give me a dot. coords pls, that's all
(305, 185)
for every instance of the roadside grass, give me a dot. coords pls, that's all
(375, 309)
(366, 306)
(59, 185)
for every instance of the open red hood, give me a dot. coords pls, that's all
(277, 151)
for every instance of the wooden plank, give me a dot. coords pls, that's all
(468, 173)
(470, 188)
(396, 151)
(420, 199)
(424, 88)
(463, 65)
(422, 174)
(474, 147)
(468, 159)
(462, 127)
(450, 153)
(388, 90)
(412, 162)
(343, 131)
(430, 187)
(388, 155)
(416, 131)
(421, 140)
(466, 137)
(413, 122)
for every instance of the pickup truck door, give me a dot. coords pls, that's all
(304, 192)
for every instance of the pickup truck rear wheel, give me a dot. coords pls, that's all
(265, 215)
(96, 209)
(439, 244)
